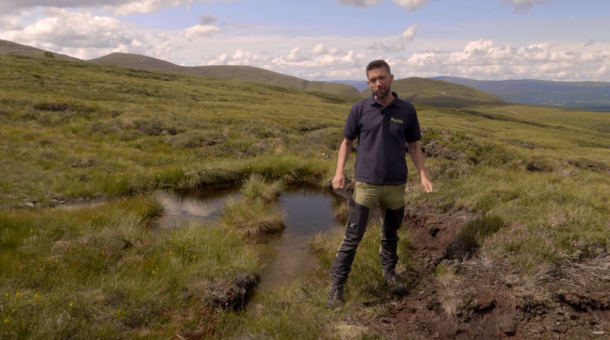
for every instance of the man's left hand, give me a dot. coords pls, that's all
(427, 185)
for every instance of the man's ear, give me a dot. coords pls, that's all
(391, 78)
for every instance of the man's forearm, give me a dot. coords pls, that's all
(418, 158)
(344, 152)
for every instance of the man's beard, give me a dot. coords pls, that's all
(382, 93)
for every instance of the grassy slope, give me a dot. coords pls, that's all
(596, 121)
(75, 129)
(11, 48)
(439, 93)
(238, 73)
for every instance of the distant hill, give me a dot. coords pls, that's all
(358, 84)
(11, 48)
(238, 73)
(439, 93)
(592, 96)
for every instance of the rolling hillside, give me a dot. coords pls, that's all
(439, 93)
(593, 96)
(522, 198)
(239, 73)
(11, 48)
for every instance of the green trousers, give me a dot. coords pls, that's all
(391, 199)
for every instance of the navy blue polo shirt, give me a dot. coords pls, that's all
(382, 133)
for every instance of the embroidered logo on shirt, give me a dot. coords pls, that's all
(394, 120)
(353, 225)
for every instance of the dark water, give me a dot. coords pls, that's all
(307, 211)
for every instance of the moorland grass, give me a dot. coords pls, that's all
(100, 273)
(252, 218)
(475, 231)
(70, 130)
(257, 188)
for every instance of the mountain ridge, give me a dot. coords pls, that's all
(242, 73)
(439, 93)
(12, 48)
(585, 95)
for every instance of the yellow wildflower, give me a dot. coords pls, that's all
(71, 303)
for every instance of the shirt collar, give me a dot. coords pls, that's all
(393, 103)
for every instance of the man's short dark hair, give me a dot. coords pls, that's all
(377, 64)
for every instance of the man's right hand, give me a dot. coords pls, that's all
(339, 181)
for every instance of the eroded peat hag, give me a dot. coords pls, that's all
(462, 293)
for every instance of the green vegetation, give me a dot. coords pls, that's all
(257, 188)
(99, 273)
(77, 130)
(475, 231)
(252, 218)
(596, 121)
(439, 93)
(238, 73)
(102, 131)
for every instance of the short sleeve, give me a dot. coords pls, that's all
(412, 132)
(352, 124)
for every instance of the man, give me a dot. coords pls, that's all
(383, 124)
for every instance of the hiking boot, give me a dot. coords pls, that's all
(394, 281)
(335, 296)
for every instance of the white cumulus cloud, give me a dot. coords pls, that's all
(118, 7)
(411, 5)
(320, 49)
(409, 34)
(400, 46)
(240, 58)
(359, 3)
(483, 59)
(480, 59)
(78, 30)
(87, 36)
(295, 56)
(200, 31)
(10, 22)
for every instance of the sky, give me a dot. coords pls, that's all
(563, 40)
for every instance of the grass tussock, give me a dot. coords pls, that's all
(99, 273)
(475, 231)
(252, 218)
(257, 188)
(341, 208)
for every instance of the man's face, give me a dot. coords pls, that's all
(380, 82)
